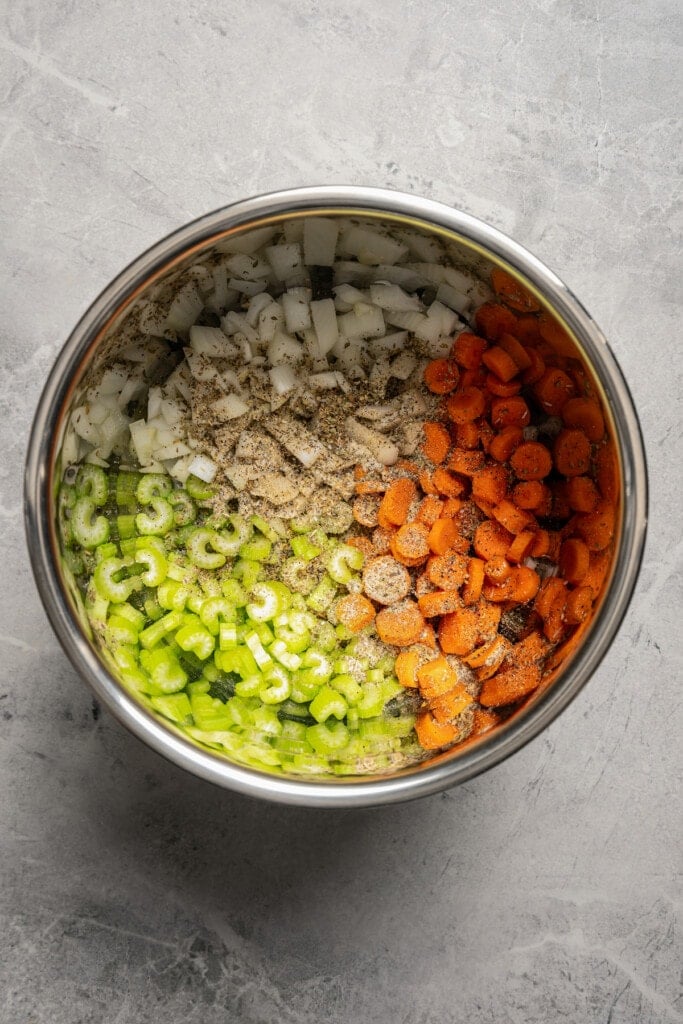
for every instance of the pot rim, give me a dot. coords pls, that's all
(426, 778)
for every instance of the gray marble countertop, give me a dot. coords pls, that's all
(546, 890)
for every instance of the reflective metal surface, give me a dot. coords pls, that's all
(40, 484)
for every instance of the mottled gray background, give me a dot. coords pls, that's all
(546, 890)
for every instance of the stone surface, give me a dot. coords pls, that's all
(547, 889)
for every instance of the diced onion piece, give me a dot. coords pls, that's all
(367, 324)
(283, 379)
(298, 441)
(204, 468)
(219, 296)
(133, 388)
(112, 381)
(200, 367)
(230, 407)
(180, 470)
(180, 382)
(347, 272)
(392, 296)
(256, 306)
(385, 451)
(325, 324)
(84, 426)
(151, 319)
(347, 352)
(372, 247)
(410, 321)
(294, 230)
(173, 450)
(143, 439)
(325, 381)
(285, 349)
(285, 259)
(172, 413)
(423, 247)
(463, 280)
(295, 304)
(453, 297)
(320, 241)
(403, 365)
(70, 446)
(211, 342)
(374, 412)
(247, 268)
(388, 344)
(247, 242)
(346, 296)
(270, 320)
(446, 318)
(237, 323)
(154, 400)
(184, 309)
(247, 287)
(408, 279)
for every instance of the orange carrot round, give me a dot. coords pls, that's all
(442, 536)
(521, 546)
(465, 462)
(490, 484)
(467, 350)
(439, 602)
(582, 494)
(410, 543)
(447, 571)
(355, 612)
(501, 388)
(437, 442)
(512, 292)
(467, 435)
(512, 518)
(607, 472)
(579, 604)
(471, 591)
(400, 624)
(445, 483)
(553, 390)
(525, 584)
(406, 666)
(491, 539)
(531, 461)
(466, 405)
(585, 414)
(397, 500)
(515, 350)
(536, 369)
(459, 631)
(597, 528)
(497, 568)
(503, 444)
(572, 452)
(433, 735)
(492, 320)
(441, 376)
(529, 494)
(509, 685)
(510, 412)
(499, 362)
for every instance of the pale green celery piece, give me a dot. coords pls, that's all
(129, 669)
(372, 701)
(234, 593)
(401, 726)
(266, 721)
(352, 718)
(322, 595)
(248, 572)
(157, 566)
(215, 611)
(342, 561)
(198, 686)
(303, 690)
(264, 527)
(374, 675)
(229, 541)
(304, 550)
(103, 551)
(260, 654)
(297, 576)
(210, 713)
(316, 666)
(108, 587)
(89, 530)
(92, 483)
(165, 670)
(250, 686)
(239, 660)
(279, 650)
(240, 711)
(327, 703)
(120, 631)
(159, 521)
(193, 636)
(269, 599)
(257, 755)
(151, 636)
(325, 636)
(227, 636)
(309, 764)
(175, 706)
(326, 739)
(126, 611)
(348, 687)
(278, 685)
(184, 509)
(391, 688)
(152, 485)
(173, 595)
(257, 550)
(197, 545)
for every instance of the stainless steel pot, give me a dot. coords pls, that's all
(480, 245)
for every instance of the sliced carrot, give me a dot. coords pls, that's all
(502, 388)
(439, 602)
(483, 655)
(541, 544)
(381, 539)
(427, 637)
(467, 435)
(471, 591)
(536, 370)
(447, 571)
(572, 452)
(531, 461)
(363, 544)
(397, 500)
(529, 651)
(585, 414)
(408, 467)
(529, 494)
(441, 376)
(497, 651)
(355, 612)
(510, 412)
(597, 528)
(582, 494)
(525, 584)
(400, 624)
(449, 705)
(433, 735)
(554, 545)
(463, 461)
(437, 442)
(429, 510)
(515, 350)
(491, 538)
(598, 569)
(370, 487)
(492, 320)
(465, 405)
(579, 605)
(385, 580)
(436, 677)
(512, 518)
(526, 329)
(490, 484)
(504, 443)
(459, 631)
(553, 390)
(607, 472)
(497, 568)
(484, 721)
(451, 507)
(510, 685)
(574, 560)
(552, 591)
(512, 292)
(499, 362)
(446, 483)
(410, 543)
(473, 378)
(554, 627)
(468, 349)
(556, 336)
(426, 479)
(365, 509)
(442, 536)
(499, 592)
(406, 666)
(521, 546)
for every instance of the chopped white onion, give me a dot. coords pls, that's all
(250, 288)
(285, 349)
(392, 296)
(211, 342)
(372, 247)
(283, 379)
(388, 344)
(295, 305)
(454, 298)
(271, 319)
(385, 451)
(320, 241)
(201, 368)
(230, 407)
(346, 296)
(247, 268)
(247, 242)
(237, 323)
(202, 467)
(367, 324)
(325, 381)
(256, 306)
(185, 308)
(285, 259)
(325, 324)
